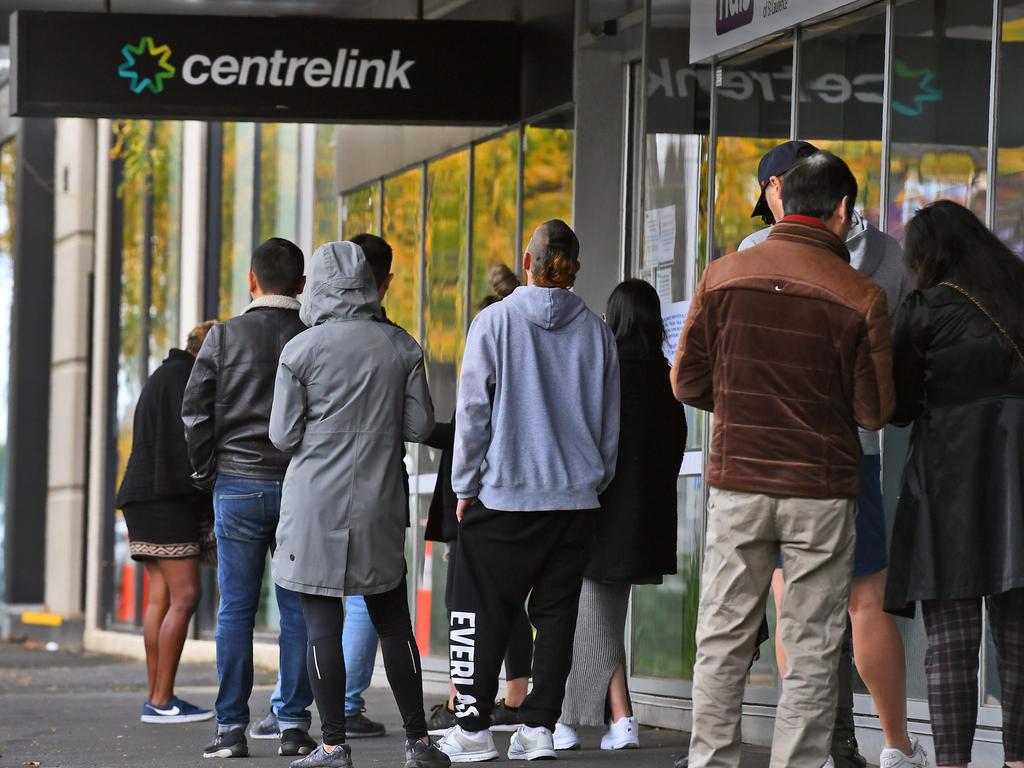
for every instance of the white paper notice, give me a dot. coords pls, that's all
(652, 236)
(667, 232)
(663, 284)
(674, 317)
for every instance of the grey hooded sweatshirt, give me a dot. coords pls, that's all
(349, 390)
(879, 256)
(537, 420)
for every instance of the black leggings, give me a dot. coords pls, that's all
(389, 613)
(519, 653)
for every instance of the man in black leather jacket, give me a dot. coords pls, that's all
(226, 412)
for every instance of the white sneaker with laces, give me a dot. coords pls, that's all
(465, 747)
(624, 733)
(532, 744)
(565, 737)
(896, 758)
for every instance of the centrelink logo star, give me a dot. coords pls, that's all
(155, 81)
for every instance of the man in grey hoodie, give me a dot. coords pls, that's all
(536, 439)
(880, 658)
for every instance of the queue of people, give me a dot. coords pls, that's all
(557, 488)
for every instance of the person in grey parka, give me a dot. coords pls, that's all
(349, 390)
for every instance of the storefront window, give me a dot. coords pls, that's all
(238, 185)
(842, 66)
(325, 196)
(547, 173)
(360, 211)
(495, 185)
(279, 181)
(941, 62)
(8, 162)
(1009, 208)
(403, 219)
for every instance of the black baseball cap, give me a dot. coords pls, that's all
(776, 163)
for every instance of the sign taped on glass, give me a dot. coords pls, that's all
(142, 65)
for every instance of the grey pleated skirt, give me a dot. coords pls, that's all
(597, 649)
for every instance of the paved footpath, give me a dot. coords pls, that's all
(64, 710)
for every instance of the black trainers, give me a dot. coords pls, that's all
(295, 741)
(421, 755)
(505, 718)
(341, 757)
(846, 754)
(682, 761)
(359, 726)
(440, 720)
(267, 728)
(229, 744)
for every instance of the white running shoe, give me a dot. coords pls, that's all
(622, 734)
(565, 737)
(464, 747)
(532, 744)
(895, 758)
(830, 763)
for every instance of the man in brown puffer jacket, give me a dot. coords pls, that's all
(789, 346)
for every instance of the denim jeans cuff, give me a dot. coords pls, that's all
(284, 725)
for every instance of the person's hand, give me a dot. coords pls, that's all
(462, 506)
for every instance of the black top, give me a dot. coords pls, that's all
(959, 528)
(158, 467)
(636, 528)
(442, 524)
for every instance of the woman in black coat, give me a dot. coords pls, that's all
(167, 519)
(959, 529)
(635, 532)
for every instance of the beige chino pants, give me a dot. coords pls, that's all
(745, 534)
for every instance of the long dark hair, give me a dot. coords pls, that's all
(634, 316)
(946, 241)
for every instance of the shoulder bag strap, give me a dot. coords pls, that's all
(985, 312)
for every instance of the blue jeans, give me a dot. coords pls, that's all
(359, 648)
(246, 513)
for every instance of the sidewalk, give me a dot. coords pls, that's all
(63, 710)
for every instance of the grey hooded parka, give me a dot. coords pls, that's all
(349, 390)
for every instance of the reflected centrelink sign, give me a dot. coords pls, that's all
(717, 26)
(296, 68)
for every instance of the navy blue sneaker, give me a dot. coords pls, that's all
(177, 711)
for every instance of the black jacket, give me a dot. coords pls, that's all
(635, 537)
(158, 467)
(442, 524)
(230, 393)
(959, 528)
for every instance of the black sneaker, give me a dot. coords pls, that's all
(681, 762)
(341, 757)
(295, 741)
(420, 755)
(267, 728)
(505, 718)
(846, 754)
(440, 720)
(359, 726)
(229, 744)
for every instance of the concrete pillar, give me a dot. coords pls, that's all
(74, 246)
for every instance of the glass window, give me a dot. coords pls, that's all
(547, 172)
(941, 62)
(325, 200)
(165, 269)
(8, 163)
(360, 211)
(279, 181)
(1009, 213)
(842, 67)
(403, 217)
(495, 186)
(238, 185)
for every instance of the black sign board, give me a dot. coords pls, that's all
(222, 67)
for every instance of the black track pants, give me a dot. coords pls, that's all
(389, 613)
(505, 557)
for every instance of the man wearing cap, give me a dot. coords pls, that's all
(880, 659)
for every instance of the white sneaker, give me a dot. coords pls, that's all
(622, 734)
(830, 763)
(565, 737)
(464, 747)
(895, 758)
(532, 744)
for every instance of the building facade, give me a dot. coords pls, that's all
(645, 136)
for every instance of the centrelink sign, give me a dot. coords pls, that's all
(234, 68)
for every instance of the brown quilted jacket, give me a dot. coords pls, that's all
(789, 346)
